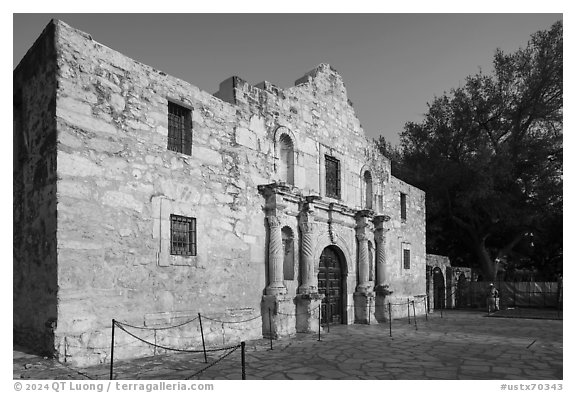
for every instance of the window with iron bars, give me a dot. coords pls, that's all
(406, 259)
(332, 177)
(179, 129)
(403, 206)
(182, 235)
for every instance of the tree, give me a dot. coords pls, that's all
(393, 153)
(489, 156)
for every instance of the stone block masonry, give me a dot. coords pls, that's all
(284, 190)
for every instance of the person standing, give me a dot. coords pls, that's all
(492, 298)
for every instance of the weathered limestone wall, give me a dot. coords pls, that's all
(317, 115)
(117, 186)
(34, 196)
(406, 234)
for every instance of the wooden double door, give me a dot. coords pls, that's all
(330, 284)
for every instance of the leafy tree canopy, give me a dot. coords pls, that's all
(489, 156)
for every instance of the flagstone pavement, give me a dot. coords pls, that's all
(457, 345)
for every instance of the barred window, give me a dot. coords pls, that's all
(179, 129)
(332, 177)
(182, 235)
(403, 206)
(406, 255)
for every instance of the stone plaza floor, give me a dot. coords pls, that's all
(459, 345)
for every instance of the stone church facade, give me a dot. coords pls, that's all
(140, 198)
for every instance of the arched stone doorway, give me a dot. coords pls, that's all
(331, 284)
(439, 288)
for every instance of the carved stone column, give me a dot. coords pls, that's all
(364, 295)
(380, 239)
(276, 308)
(308, 299)
(309, 283)
(362, 230)
(382, 278)
(275, 258)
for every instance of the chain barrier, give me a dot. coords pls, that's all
(215, 362)
(302, 313)
(316, 313)
(158, 328)
(230, 322)
(116, 345)
(172, 349)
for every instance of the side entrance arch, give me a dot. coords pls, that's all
(331, 283)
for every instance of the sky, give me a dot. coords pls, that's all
(392, 64)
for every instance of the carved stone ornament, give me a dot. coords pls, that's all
(273, 221)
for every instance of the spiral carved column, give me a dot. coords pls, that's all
(382, 276)
(363, 263)
(308, 280)
(275, 258)
(364, 295)
(380, 239)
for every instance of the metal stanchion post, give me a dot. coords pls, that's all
(426, 310)
(270, 326)
(202, 334)
(390, 317)
(243, 349)
(440, 303)
(319, 321)
(408, 300)
(369, 310)
(328, 316)
(414, 309)
(112, 351)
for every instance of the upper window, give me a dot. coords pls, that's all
(182, 235)
(179, 129)
(286, 159)
(368, 189)
(403, 206)
(332, 177)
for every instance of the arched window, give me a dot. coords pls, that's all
(286, 167)
(288, 244)
(368, 196)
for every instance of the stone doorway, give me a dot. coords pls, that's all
(330, 284)
(439, 288)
